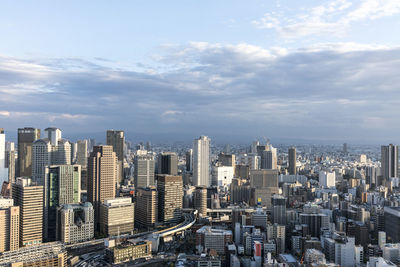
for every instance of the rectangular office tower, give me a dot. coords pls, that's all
(292, 160)
(201, 161)
(168, 163)
(29, 197)
(26, 137)
(116, 139)
(170, 194)
(144, 170)
(62, 186)
(101, 177)
(389, 161)
(117, 216)
(9, 225)
(146, 207)
(3, 169)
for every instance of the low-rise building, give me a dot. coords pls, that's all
(128, 251)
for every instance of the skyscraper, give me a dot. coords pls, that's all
(116, 139)
(189, 160)
(168, 163)
(82, 152)
(53, 134)
(29, 197)
(292, 160)
(9, 225)
(101, 177)
(26, 137)
(62, 186)
(201, 161)
(146, 206)
(170, 194)
(200, 200)
(269, 158)
(3, 169)
(117, 216)
(10, 163)
(144, 170)
(278, 209)
(264, 184)
(389, 161)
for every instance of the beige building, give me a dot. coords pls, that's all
(101, 177)
(129, 251)
(9, 225)
(48, 254)
(170, 197)
(146, 206)
(29, 197)
(117, 216)
(200, 200)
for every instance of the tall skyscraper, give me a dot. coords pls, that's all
(278, 209)
(146, 206)
(82, 152)
(101, 177)
(292, 160)
(269, 159)
(200, 200)
(170, 194)
(189, 160)
(3, 169)
(26, 137)
(168, 163)
(29, 197)
(201, 161)
(9, 225)
(116, 139)
(144, 170)
(10, 163)
(62, 186)
(389, 161)
(53, 134)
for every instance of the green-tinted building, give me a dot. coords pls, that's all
(62, 186)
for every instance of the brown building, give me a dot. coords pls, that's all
(101, 177)
(170, 197)
(29, 197)
(26, 136)
(200, 200)
(146, 207)
(116, 139)
(9, 225)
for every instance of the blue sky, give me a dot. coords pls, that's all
(234, 70)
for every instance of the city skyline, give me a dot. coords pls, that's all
(321, 70)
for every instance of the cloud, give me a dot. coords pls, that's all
(331, 18)
(318, 92)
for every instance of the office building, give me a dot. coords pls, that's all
(76, 223)
(222, 175)
(116, 139)
(117, 216)
(26, 137)
(327, 179)
(345, 252)
(48, 254)
(10, 162)
(82, 153)
(269, 160)
(146, 207)
(264, 184)
(259, 219)
(189, 160)
(144, 171)
(3, 169)
(200, 200)
(228, 160)
(201, 161)
(208, 238)
(101, 177)
(170, 195)
(278, 233)
(292, 160)
(389, 161)
(168, 163)
(278, 211)
(314, 222)
(128, 251)
(392, 224)
(62, 186)
(9, 225)
(29, 197)
(54, 135)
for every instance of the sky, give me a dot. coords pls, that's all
(316, 71)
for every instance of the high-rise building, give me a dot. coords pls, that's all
(26, 137)
(116, 139)
(9, 225)
(269, 158)
(74, 148)
(389, 161)
(189, 160)
(82, 152)
(392, 224)
(222, 175)
(278, 209)
(53, 134)
(117, 216)
(62, 186)
(168, 163)
(170, 196)
(3, 169)
(144, 170)
(292, 160)
(101, 177)
(227, 160)
(264, 184)
(201, 161)
(200, 200)
(146, 206)
(10, 163)
(76, 223)
(29, 197)
(277, 232)
(327, 179)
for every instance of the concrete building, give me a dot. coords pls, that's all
(29, 197)
(76, 223)
(392, 224)
(278, 233)
(146, 206)
(101, 177)
(53, 134)
(144, 171)
(168, 163)
(117, 216)
(389, 161)
(189, 160)
(259, 219)
(26, 137)
(82, 153)
(10, 162)
(208, 238)
(9, 225)
(278, 211)
(269, 159)
(201, 161)
(3, 169)
(116, 139)
(264, 184)
(327, 179)
(292, 161)
(200, 200)
(129, 251)
(222, 175)
(345, 253)
(228, 160)
(62, 186)
(170, 197)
